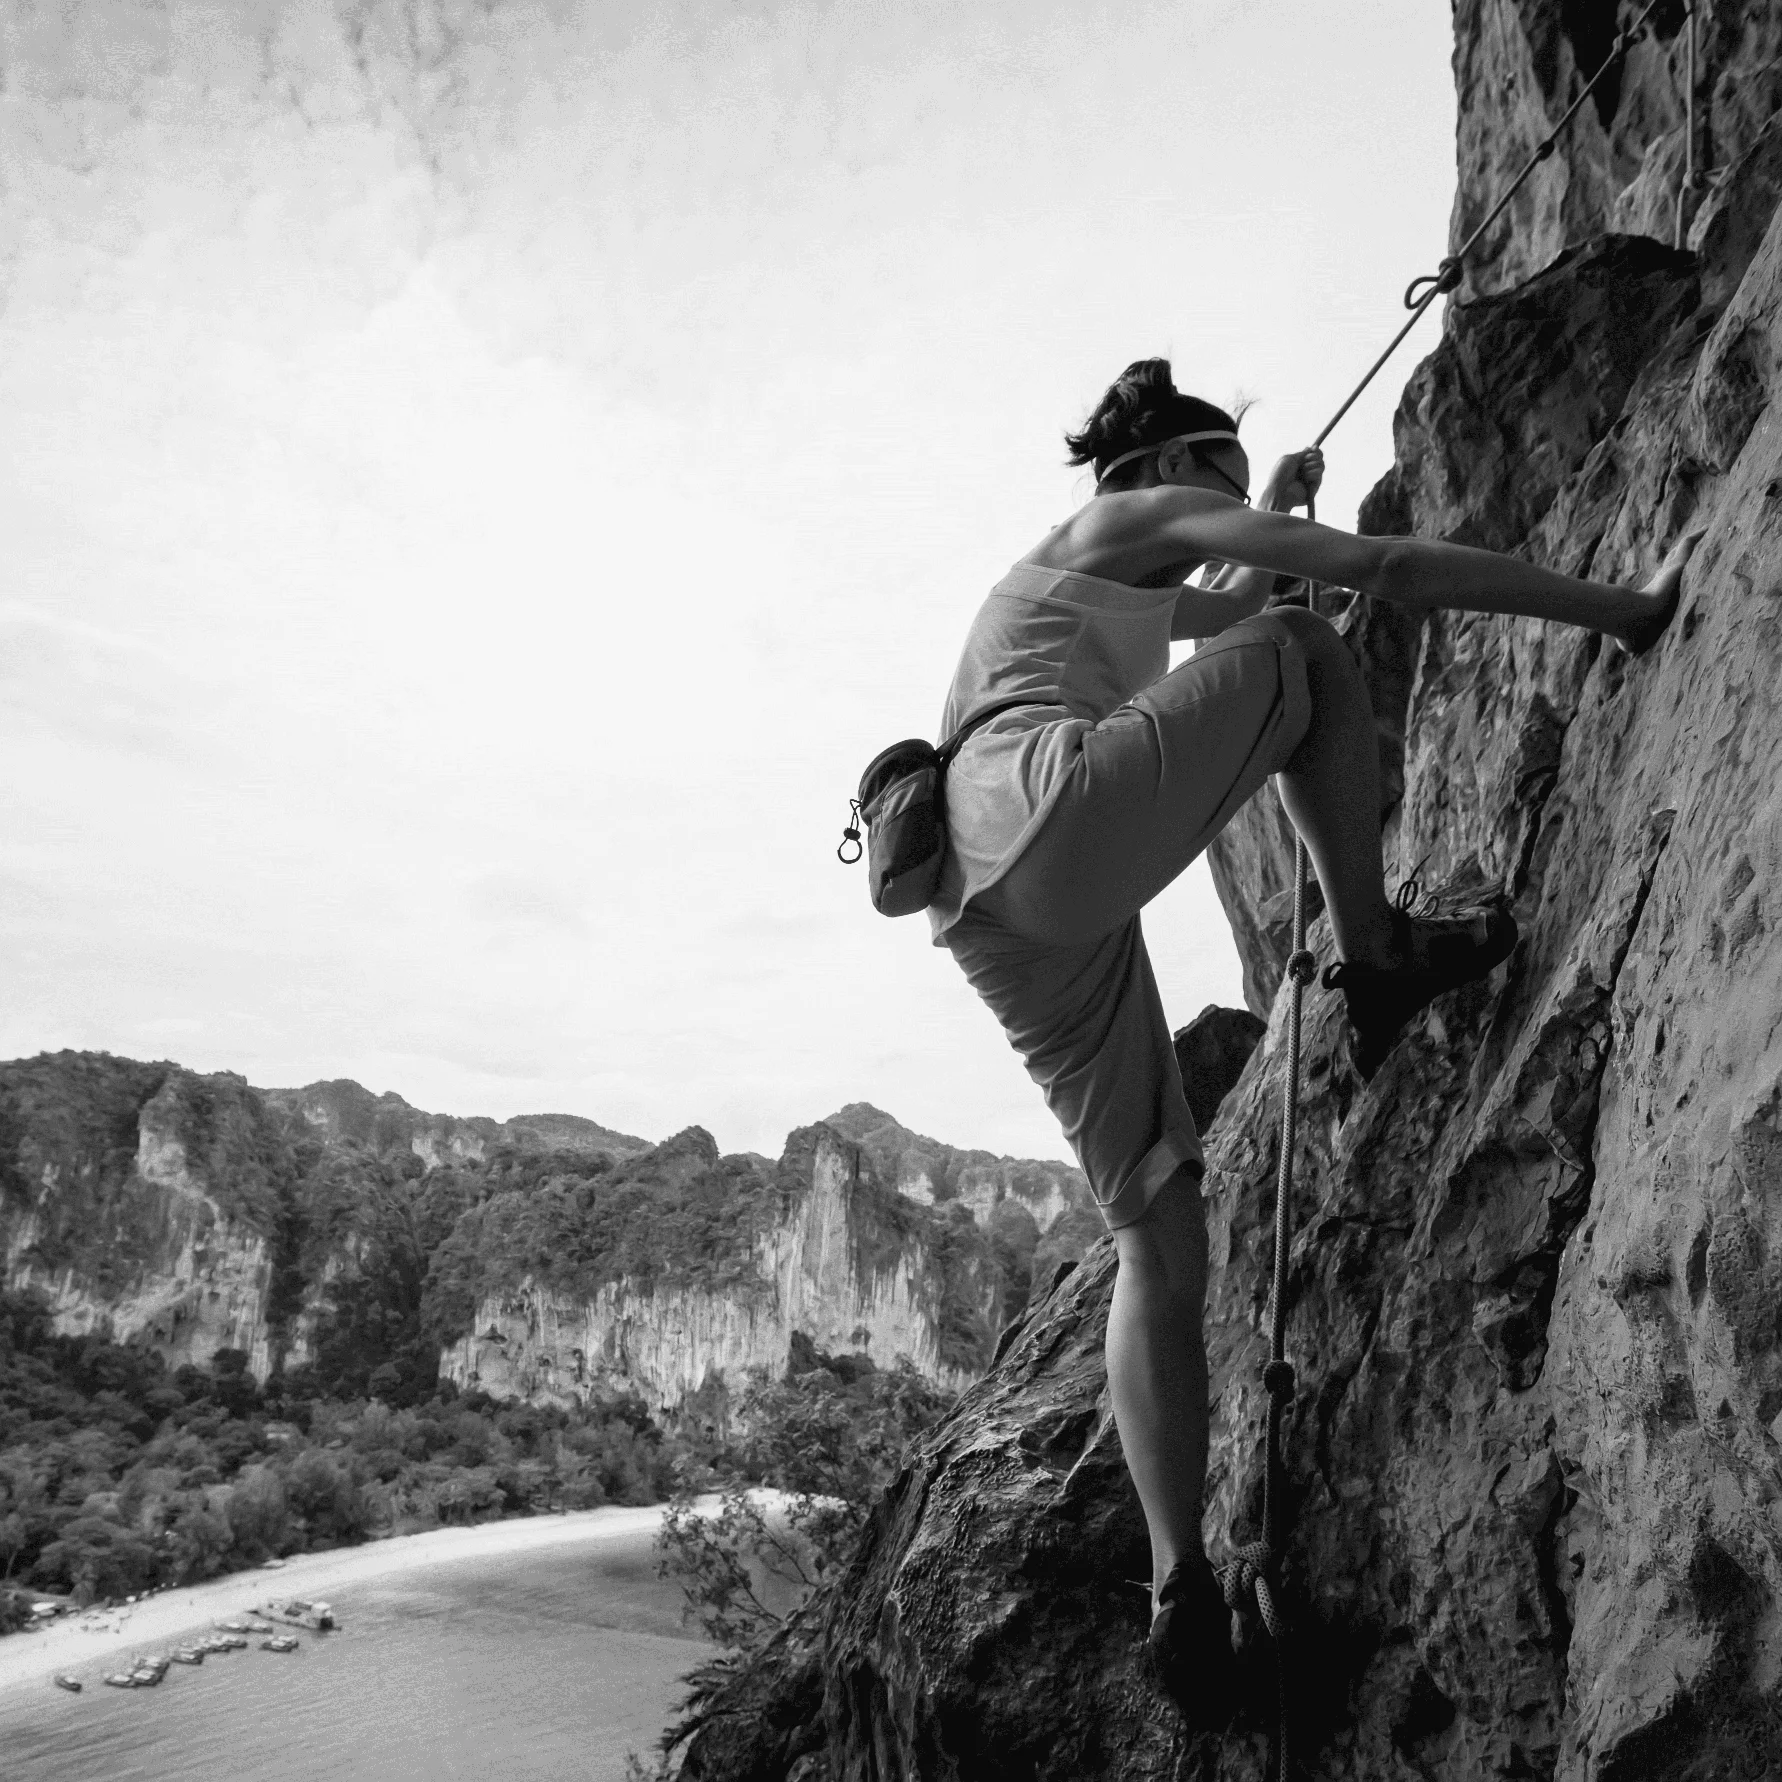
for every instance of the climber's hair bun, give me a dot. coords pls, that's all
(1142, 407)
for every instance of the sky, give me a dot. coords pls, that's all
(482, 477)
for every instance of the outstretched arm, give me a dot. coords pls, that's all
(1413, 572)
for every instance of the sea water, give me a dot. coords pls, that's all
(535, 1666)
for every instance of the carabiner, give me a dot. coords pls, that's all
(851, 836)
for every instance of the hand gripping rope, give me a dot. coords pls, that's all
(1253, 1571)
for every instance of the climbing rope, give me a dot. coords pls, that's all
(1448, 274)
(1253, 1571)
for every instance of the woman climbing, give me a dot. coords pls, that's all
(1069, 812)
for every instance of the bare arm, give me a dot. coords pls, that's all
(1414, 572)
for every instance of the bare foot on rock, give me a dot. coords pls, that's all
(1659, 597)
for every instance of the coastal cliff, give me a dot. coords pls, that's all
(333, 1233)
(144, 1202)
(837, 1255)
(1535, 1449)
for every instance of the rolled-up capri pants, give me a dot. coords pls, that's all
(1054, 946)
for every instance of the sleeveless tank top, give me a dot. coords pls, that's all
(1072, 647)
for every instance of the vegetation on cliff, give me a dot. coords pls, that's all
(364, 1234)
(827, 1440)
(681, 1215)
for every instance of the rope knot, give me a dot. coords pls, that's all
(1245, 1576)
(1302, 967)
(1444, 279)
(1278, 1380)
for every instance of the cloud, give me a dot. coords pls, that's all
(93, 685)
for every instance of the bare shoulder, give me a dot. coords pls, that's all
(1125, 537)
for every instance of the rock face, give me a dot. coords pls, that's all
(933, 1174)
(1535, 1452)
(842, 1263)
(1211, 1052)
(112, 1202)
(1519, 63)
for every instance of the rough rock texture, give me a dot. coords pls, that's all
(1211, 1052)
(1536, 1287)
(1519, 63)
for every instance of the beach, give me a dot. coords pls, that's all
(541, 1650)
(33, 1657)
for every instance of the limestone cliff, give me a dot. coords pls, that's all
(837, 1256)
(143, 1201)
(1037, 1215)
(1536, 1448)
(374, 1245)
(195, 1213)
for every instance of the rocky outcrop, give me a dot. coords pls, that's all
(1211, 1052)
(842, 1264)
(1519, 63)
(932, 1174)
(1535, 1452)
(113, 1204)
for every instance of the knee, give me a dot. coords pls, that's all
(1165, 1251)
(1315, 635)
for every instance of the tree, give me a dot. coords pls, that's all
(325, 1497)
(201, 1541)
(828, 1441)
(257, 1514)
(14, 1533)
(95, 1557)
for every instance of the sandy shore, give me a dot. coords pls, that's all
(33, 1657)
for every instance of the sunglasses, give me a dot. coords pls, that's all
(1231, 483)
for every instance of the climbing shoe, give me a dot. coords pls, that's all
(1190, 1654)
(1455, 950)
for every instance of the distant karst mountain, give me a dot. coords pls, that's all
(331, 1229)
(344, 1110)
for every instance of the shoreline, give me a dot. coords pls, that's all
(33, 1656)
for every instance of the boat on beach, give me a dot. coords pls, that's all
(316, 1616)
(280, 1643)
(122, 1679)
(64, 1681)
(189, 1655)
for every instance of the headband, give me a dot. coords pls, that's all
(1177, 439)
